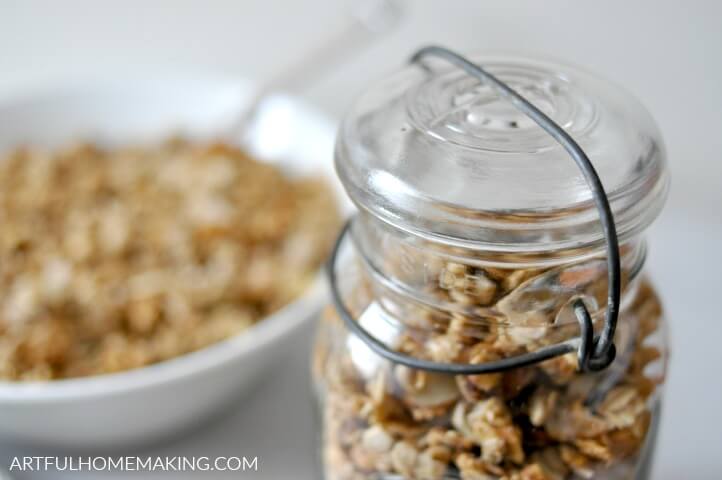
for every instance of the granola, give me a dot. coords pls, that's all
(543, 422)
(116, 259)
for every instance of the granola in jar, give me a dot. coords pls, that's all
(476, 238)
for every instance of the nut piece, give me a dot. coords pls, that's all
(375, 439)
(403, 458)
(542, 404)
(427, 394)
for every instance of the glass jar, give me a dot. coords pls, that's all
(477, 236)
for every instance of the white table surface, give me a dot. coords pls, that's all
(666, 52)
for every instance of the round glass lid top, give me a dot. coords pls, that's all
(436, 152)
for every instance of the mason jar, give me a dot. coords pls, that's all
(476, 241)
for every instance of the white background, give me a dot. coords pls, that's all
(668, 53)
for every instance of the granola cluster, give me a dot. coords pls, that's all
(542, 422)
(115, 259)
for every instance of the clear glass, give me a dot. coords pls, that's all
(476, 236)
(437, 153)
(547, 421)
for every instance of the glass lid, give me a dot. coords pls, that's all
(433, 151)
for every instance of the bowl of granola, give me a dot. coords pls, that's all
(148, 280)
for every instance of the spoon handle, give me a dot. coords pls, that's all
(368, 20)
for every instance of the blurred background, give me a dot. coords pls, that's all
(667, 53)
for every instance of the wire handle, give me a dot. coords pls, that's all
(594, 353)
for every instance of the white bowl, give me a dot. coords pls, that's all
(149, 403)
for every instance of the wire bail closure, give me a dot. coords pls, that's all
(594, 353)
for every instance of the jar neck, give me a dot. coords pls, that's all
(408, 274)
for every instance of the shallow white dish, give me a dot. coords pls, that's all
(146, 404)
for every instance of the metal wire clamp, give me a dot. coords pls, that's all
(594, 353)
